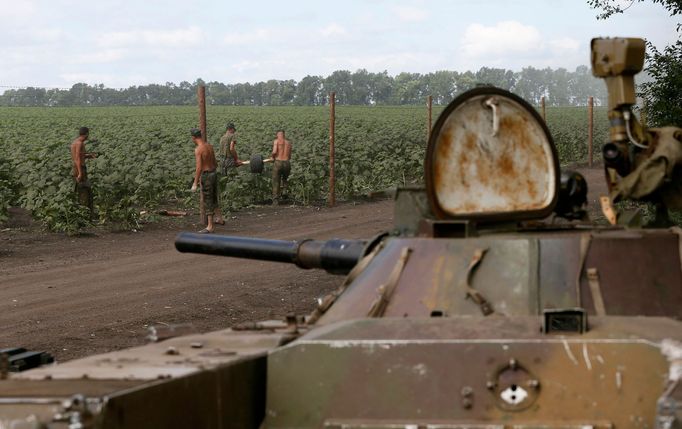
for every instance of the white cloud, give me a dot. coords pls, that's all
(91, 78)
(190, 36)
(27, 55)
(105, 56)
(246, 38)
(246, 65)
(410, 13)
(507, 37)
(394, 62)
(47, 35)
(333, 29)
(565, 44)
(511, 44)
(16, 10)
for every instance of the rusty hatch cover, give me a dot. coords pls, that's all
(491, 156)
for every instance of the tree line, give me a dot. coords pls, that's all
(560, 87)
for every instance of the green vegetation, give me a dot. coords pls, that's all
(8, 187)
(568, 126)
(146, 156)
(663, 95)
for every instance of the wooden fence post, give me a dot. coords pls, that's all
(201, 97)
(542, 105)
(590, 130)
(429, 104)
(332, 125)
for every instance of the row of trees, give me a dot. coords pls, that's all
(560, 87)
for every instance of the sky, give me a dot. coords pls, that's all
(56, 43)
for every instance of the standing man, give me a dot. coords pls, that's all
(228, 149)
(281, 153)
(83, 188)
(205, 176)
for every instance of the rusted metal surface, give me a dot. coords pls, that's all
(457, 371)
(558, 271)
(522, 275)
(476, 153)
(639, 273)
(385, 290)
(431, 280)
(411, 207)
(472, 293)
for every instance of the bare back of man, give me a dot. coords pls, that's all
(78, 158)
(281, 149)
(206, 156)
(281, 153)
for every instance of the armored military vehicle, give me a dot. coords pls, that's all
(492, 304)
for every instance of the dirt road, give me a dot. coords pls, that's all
(76, 296)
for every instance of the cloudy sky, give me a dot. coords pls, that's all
(56, 43)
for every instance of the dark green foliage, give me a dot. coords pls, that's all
(568, 126)
(663, 95)
(8, 186)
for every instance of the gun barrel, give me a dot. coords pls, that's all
(336, 256)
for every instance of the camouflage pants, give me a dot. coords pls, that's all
(227, 165)
(209, 190)
(280, 172)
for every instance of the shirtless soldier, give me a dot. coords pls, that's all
(83, 188)
(206, 177)
(281, 153)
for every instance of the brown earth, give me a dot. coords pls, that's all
(77, 296)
